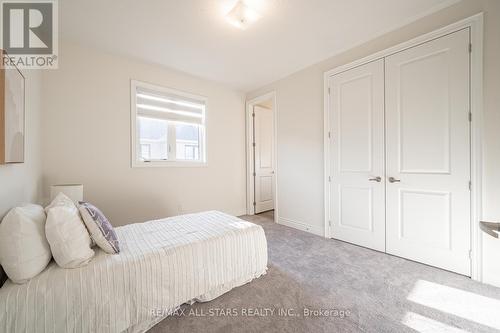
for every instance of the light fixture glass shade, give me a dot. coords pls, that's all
(72, 191)
(242, 15)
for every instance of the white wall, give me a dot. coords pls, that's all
(20, 183)
(300, 124)
(87, 140)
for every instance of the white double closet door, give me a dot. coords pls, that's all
(400, 154)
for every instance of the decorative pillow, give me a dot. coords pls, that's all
(3, 276)
(68, 238)
(24, 250)
(100, 229)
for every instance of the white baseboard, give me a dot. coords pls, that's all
(301, 226)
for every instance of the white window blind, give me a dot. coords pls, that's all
(168, 106)
(168, 126)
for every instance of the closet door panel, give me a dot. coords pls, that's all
(428, 153)
(357, 155)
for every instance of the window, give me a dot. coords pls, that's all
(187, 142)
(153, 138)
(145, 151)
(168, 127)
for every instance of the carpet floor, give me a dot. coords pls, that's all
(322, 285)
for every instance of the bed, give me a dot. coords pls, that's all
(162, 264)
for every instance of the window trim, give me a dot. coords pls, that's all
(136, 163)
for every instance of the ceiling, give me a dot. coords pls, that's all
(193, 36)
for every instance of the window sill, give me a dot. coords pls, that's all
(169, 164)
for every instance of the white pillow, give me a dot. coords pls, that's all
(24, 250)
(68, 238)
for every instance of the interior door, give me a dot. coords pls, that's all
(357, 191)
(264, 167)
(428, 153)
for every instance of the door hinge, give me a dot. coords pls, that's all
(253, 144)
(254, 203)
(470, 47)
(329, 178)
(329, 135)
(253, 114)
(328, 90)
(470, 185)
(254, 174)
(470, 116)
(330, 223)
(470, 254)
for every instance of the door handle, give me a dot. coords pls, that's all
(491, 228)
(377, 179)
(393, 180)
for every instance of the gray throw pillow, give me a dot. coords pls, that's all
(100, 228)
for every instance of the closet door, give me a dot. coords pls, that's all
(428, 153)
(357, 156)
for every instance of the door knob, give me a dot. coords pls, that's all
(393, 180)
(376, 179)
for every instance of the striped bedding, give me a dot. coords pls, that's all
(162, 264)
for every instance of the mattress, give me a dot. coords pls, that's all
(162, 264)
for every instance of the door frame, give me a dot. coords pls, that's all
(475, 25)
(249, 150)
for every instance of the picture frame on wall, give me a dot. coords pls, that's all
(12, 114)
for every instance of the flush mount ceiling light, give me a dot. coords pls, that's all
(242, 15)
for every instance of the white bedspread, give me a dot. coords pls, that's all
(162, 264)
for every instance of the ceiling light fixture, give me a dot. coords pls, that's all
(242, 15)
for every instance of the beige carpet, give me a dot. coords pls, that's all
(351, 289)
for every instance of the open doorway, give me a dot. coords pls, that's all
(261, 156)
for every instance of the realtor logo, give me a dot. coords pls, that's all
(29, 33)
